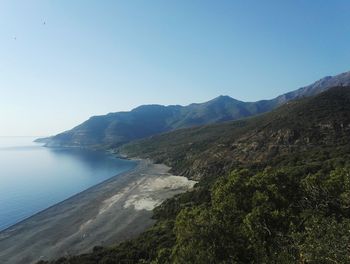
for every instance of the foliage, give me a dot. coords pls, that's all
(274, 216)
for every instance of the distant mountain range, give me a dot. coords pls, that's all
(115, 129)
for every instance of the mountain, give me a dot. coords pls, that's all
(321, 85)
(321, 120)
(115, 129)
(273, 188)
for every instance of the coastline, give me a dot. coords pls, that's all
(8, 229)
(110, 212)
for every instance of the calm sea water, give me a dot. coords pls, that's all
(33, 177)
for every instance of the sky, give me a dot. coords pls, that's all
(62, 61)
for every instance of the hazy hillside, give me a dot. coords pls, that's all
(115, 129)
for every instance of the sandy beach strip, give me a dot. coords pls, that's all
(110, 212)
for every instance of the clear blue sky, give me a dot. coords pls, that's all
(62, 61)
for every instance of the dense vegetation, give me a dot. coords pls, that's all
(273, 189)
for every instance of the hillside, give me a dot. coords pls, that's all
(115, 129)
(272, 189)
(294, 127)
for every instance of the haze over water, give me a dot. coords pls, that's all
(33, 178)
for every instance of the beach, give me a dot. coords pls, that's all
(108, 213)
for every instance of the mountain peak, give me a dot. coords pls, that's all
(223, 99)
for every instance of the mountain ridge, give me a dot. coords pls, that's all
(319, 120)
(118, 128)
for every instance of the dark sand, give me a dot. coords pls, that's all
(113, 211)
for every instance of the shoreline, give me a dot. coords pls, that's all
(71, 197)
(110, 212)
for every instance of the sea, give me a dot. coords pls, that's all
(34, 177)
